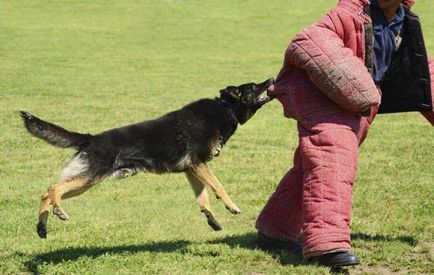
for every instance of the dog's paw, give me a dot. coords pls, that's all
(60, 213)
(234, 209)
(41, 230)
(212, 221)
(124, 173)
(214, 224)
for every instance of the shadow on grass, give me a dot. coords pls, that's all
(245, 241)
(249, 241)
(74, 253)
(380, 238)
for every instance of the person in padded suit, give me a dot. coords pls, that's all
(362, 58)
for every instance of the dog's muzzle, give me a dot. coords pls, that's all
(264, 97)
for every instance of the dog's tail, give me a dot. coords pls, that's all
(53, 134)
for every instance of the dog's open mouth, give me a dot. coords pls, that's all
(263, 97)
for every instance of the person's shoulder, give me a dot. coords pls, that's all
(349, 10)
(352, 6)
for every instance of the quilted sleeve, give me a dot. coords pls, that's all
(334, 68)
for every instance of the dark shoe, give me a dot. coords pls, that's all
(335, 259)
(267, 243)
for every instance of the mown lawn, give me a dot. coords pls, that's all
(92, 65)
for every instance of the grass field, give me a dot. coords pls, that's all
(93, 65)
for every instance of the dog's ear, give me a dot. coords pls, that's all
(231, 91)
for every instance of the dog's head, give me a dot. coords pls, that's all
(246, 99)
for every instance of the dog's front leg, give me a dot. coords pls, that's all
(203, 200)
(204, 174)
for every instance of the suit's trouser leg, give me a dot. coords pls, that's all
(329, 152)
(281, 216)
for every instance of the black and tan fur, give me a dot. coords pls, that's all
(180, 141)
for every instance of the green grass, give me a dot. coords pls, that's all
(92, 65)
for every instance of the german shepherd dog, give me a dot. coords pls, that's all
(180, 141)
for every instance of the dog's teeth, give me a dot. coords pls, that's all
(263, 98)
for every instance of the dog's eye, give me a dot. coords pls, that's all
(233, 91)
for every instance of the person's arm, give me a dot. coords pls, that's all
(332, 67)
(428, 115)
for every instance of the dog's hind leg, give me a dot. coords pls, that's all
(44, 209)
(203, 200)
(67, 189)
(204, 174)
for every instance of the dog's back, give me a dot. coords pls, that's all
(171, 143)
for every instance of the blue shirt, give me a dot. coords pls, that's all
(385, 39)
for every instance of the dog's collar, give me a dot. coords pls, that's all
(230, 110)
